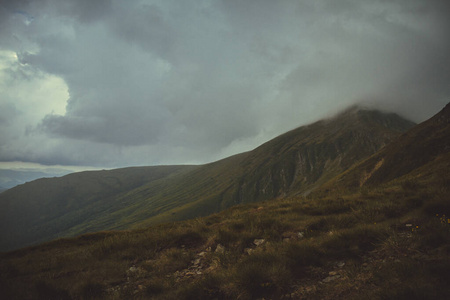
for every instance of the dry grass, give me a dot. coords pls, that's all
(383, 259)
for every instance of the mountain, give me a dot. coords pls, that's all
(304, 158)
(291, 164)
(362, 234)
(423, 151)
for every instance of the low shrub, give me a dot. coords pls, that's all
(435, 233)
(188, 239)
(92, 290)
(409, 279)
(208, 287)
(154, 287)
(410, 185)
(261, 274)
(50, 292)
(171, 260)
(353, 242)
(301, 254)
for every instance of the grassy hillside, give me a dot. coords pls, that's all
(384, 243)
(293, 163)
(50, 207)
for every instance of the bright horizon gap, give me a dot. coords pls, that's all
(20, 165)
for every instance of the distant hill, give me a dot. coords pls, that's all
(11, 178)
(293, 163)
(48, 208)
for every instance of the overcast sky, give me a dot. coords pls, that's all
(120, 83)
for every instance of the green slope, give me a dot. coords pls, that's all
(423, 151)
(293, 163)
(48, 208)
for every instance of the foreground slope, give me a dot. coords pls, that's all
(385, 241)
(293, 163)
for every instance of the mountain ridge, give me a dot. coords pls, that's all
(292, 163)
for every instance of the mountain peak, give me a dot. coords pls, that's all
(444, 115)
(369, 118)
(360, 109)
(355, 108)
(420, 146)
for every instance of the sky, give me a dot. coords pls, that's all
(113, 83)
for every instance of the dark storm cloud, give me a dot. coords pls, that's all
(191, 81)
(82, 10)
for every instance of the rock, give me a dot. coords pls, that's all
(259, 242)
(210, 269)
(220, 249)
(331, 278)
(332, 273)
(300, 235)
(133, 269)
(248, 251)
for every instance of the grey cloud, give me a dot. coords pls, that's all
(144, 25)
(133, 127)
(83, 10)
(187, 81)
(8, 112)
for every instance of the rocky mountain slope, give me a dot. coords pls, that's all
(423, 152)
(293, 163)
